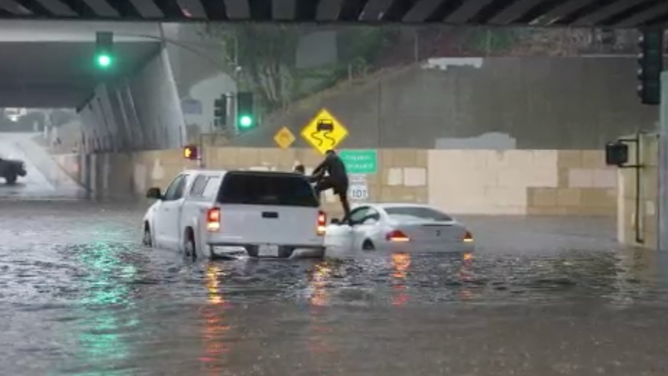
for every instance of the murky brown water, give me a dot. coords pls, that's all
(79, 296)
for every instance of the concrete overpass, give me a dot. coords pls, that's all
(582, 13)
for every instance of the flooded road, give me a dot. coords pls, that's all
(541, 297)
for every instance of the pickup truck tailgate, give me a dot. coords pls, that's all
(265, 224)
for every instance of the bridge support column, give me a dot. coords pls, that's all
(663, 166)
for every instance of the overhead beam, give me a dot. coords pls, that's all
(513, 12)
(283, 10)
(375, 10)
(466, 11)
(605, 13)
(15, 8)
(147, 9)
(58, 8)
(644, 16)
(328, 10)
(102, 8)
(306, 10)
(237, 9)
(422, 10)
(560, 12)
(195, 9)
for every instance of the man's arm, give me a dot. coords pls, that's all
(321, 167)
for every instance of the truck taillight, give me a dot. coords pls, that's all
(213, 219)
(322, 223)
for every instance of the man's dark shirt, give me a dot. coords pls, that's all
(335, 168)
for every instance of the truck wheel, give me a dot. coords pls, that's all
(11, 179)
(147, 239)
(189, 247)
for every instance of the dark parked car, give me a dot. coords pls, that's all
(11, 169)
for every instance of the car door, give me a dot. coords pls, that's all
(169, 213)
(367, 227)
(340, 236)
(356, 218)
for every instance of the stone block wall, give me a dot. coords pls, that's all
(533, 182)
(514, 182)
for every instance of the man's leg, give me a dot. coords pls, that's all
(323, 184)
(342, 192)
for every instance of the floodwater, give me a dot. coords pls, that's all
(79, 295)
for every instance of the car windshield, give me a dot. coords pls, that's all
(267, 189)
(416, 213)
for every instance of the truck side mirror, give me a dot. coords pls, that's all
(616, 153)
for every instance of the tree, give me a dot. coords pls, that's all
(261, 58)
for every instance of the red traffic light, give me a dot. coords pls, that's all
(190, 152)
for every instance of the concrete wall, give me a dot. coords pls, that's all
(547, 182)
(541, 102)
(135, 113)
(646, 212)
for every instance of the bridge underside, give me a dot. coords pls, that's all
(572, 13)
(60, 74)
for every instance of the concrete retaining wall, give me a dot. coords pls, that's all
(545, 182)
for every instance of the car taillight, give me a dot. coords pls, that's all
(213, 219)
(396, 236)
(322, 223)
(468, 237)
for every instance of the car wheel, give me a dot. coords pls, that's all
(147, 239)
(189, 247)
(11, 179)
(368, 245)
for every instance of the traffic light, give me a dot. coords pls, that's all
(220, 110)
(190, 152)
(245, 113)
(650, 63)
(104, 49)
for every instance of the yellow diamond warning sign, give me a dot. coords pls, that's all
(324, 132)
(284, 138)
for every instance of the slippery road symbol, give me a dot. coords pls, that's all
(323, 130)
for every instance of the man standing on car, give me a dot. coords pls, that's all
(336, 179)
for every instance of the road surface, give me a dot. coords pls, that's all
(543, 297)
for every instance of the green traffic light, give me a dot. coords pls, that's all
(104, 61)
(245, 121)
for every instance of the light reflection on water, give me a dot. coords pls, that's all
(215, 328)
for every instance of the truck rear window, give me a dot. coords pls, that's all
(267, 189)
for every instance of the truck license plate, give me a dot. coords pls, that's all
(268, 250)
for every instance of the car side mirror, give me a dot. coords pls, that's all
(616, 153)
(334, 221)
(154, 193)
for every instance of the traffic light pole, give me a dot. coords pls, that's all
(662, 230)
(200, 151)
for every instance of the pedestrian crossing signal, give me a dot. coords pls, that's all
(190, 152)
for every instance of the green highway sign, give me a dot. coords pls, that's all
(360, 161)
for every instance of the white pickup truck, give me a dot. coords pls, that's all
(207, 213)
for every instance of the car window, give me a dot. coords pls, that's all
(198, 185)
(176, 188)
(413, 213)
(211, 188)
(359, 214)
(257, 188)
(372, 213)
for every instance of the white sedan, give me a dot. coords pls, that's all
(399, 228)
